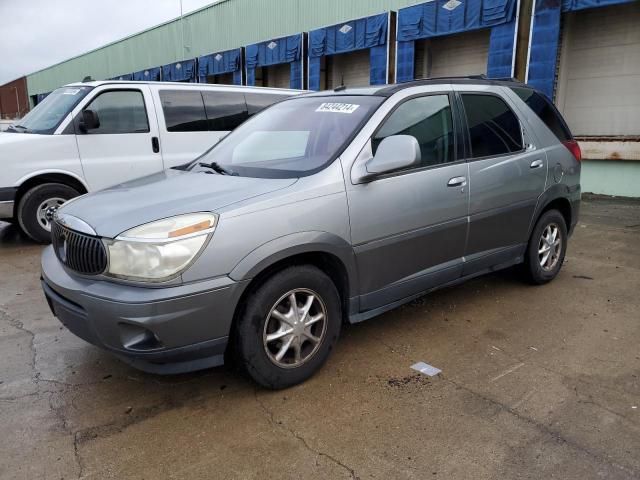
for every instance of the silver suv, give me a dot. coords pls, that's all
(328, 207)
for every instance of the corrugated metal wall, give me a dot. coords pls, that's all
(222, 26)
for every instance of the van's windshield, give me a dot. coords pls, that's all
(293, 138)
(48, 114)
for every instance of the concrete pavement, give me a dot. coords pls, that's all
(537, 382)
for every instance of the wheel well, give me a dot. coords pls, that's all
(563, 206)
(47, 178)
(331, 265)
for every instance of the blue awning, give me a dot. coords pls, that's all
(41, 96)
(448, 17)
(219, 63)
(274, 52)
(445, 17)
(349, 36)
(184, 71)
(148, 75)
(362, 33)
(125, 77)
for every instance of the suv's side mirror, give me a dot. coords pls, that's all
(89, 120)
(395, 153)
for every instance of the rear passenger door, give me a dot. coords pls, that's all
(507, 175)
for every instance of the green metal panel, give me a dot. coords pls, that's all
(609, 177)
(224, 25)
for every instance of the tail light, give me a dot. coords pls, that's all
(574, 148)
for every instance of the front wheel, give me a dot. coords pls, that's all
(547, 248)
(37, 206)
(289, 327)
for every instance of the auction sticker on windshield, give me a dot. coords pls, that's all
(337, 107)
(71, 91)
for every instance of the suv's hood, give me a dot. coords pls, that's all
(165, 194)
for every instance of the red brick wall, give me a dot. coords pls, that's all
(10, 106)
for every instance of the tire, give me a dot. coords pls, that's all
(536, 271)
(258, 356)
(30, 203)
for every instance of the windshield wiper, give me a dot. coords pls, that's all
(21, 127)
(216, 167)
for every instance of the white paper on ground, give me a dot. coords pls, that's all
(425, 368)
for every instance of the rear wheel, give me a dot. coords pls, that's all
(547, 248)
(289, 327)
(37, 206)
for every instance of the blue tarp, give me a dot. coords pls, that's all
(41, 96)
(148, 75)
(184, 71)
(545, 39)
(126, 77)
(274, 52)
(368, 32)
(219, 63)
(447, 17)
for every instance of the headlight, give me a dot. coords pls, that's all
(159, 250)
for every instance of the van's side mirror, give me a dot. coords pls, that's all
(89, 120)
(394, 153)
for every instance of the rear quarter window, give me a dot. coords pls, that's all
(546, 111)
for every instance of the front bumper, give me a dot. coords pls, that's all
(160, 330)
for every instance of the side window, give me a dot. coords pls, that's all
(183, 111)
(493, 128)
(259, 101)
(225, 110)
(120, 111)
(547, 112)
(429, 120)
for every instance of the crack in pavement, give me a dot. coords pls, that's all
(18, 325)
(277, 424)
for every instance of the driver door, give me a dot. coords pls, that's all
(125, 145)
(409, 227)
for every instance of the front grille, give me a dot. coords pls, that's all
(83, 253)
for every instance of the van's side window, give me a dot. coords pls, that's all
(493, 128)
(121, 111)
(257, 101)
(429, 120)
(183, 111)
(225, 110)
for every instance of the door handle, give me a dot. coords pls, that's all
(457, 182)
(536, 164)
(155, 144)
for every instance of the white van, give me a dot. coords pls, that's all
(89, 136)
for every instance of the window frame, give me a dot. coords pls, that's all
(467, 133)
(457, 128)
(78, 118)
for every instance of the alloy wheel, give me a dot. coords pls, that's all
(295, 328)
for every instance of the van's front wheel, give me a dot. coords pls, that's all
(289, 327)
(37, 206)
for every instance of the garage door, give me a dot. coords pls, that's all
(350, 69)
(454, 55)
(278, 76)
(599, 78)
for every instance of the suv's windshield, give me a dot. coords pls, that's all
(293, 138)
(48, 114)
